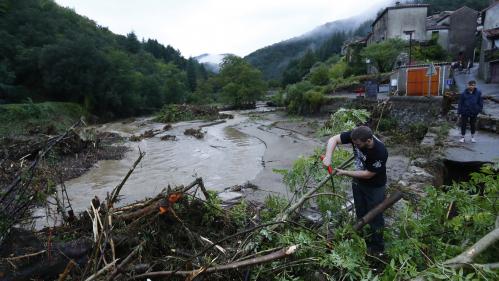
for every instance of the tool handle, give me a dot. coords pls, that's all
(329, 168)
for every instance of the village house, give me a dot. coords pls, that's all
(351, 49)
(402, 21)
(489, 54)
(455, 31)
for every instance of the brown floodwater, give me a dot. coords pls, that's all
(230, 153)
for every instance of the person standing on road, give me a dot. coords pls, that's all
(470, 104)
(368, 180)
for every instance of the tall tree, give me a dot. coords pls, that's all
(242, 84)
(191, 74)
(383, 55)
(132, 44)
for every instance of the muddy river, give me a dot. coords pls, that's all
(244, 149)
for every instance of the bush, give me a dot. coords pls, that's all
(344, 120)
(387, 124)
(21, 118)
(418, 131)
(314, 100)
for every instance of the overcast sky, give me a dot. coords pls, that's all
(218, 26)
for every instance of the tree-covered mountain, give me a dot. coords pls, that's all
(273, 60)
(48, 52)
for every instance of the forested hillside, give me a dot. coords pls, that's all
(48, 52)
(273, 60)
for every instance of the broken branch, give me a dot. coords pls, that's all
(235, 265)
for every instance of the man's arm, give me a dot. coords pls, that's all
(460, 103)
(331, 145)
(365, 174)
(480, 101)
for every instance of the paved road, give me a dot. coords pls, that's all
(489, 89)
(486, 149)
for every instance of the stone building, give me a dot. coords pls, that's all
(455, 31)
(396, 21)
(489, 54)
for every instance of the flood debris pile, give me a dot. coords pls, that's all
(146, 135)
(197, 133)
(177, 233)
(30, 172)
(168, 138)
(185, 112)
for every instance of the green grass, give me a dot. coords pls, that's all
(16, 119)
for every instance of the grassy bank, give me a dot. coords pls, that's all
(46, 117)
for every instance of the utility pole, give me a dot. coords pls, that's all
(409, 32)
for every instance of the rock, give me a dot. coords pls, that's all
(419, 162)
(403, 183)
(311, 215)
(429, 140)
(168, 137)
(135, 138)
(230, 197)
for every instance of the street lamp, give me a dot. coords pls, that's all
(409, 32)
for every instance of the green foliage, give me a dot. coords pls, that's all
(418, 130)
(344, 120)
(421, 238)
(214, 209)
(429, 52)
(273, 206)
(50, 53)
(239, 214)
(278, 98)
(383, 55)
(387, 123)
(337, 71)
(176, 113)
(21, 118)
(319, 75)
(298, 68)
(294, 100)
(284, 61)
(313, 99)
(241, 83)
(441, 237)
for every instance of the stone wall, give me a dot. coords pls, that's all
(407, 110)
(410, 110)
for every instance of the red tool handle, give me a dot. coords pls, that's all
(329, 168)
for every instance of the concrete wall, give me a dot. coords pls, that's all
(491, 18)
(379, 30)
(443, 37)
(484, 68)
(491, 21)
(462, 33)
(413, 18)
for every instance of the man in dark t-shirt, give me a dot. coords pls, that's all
(369, 178)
